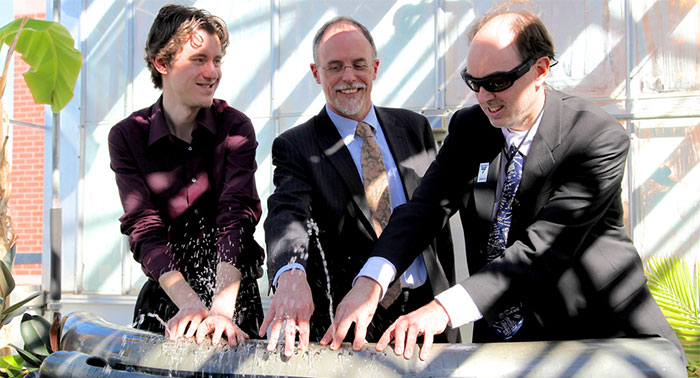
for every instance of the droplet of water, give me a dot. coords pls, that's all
(312, 231)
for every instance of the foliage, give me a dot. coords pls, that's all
(37, 346)
(677, 293)
(16, 366)
(7, 284)
(12, 366)
(35, 333)
(7, 233)
(48, 48)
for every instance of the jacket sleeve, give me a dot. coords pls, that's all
(441, 192)
(289, 209)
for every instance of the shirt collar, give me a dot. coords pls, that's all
(206, 118)
(159, 127)
(346, 126)
(516, 137)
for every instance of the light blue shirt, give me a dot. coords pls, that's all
(416, 274)
(346, 127)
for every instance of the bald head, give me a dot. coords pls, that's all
(512, 90)
(493, 48)
(516, 22)
(494, 40)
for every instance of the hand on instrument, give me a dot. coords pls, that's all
(292, 305)
(358, 306)
(429, 320)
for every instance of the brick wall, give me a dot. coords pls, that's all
(27, 177)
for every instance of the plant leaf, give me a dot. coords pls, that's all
(19, 304)
(11, 366)
(28, 357)
(48, 48)
(7, 283)
(55, 331)
(7, 318)
(678, 296)
(35, 333)
(11, 362)
(9, 258)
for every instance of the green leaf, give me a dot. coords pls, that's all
(7, 283)
(7, 317)
(48, 48)
(9, 258)
(11, 362)
(15, 306)
(30, 358)
(677, 293)
(11, 366)
(35, 333)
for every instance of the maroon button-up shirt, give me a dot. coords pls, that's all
(181, 199)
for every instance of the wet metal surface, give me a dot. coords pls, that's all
(138, 351)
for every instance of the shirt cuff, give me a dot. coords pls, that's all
(416, 275)
(380, 270)
(286, 268)
(156, 262)
(459, 305)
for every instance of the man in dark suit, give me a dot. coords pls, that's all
(343, 171)
(536, 175)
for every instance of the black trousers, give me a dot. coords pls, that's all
(153, 300)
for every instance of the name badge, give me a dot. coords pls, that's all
(483, 172)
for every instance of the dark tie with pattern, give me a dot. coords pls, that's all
(376, 185)
(510, 320)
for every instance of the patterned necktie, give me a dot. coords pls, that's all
(376, 186)
(510, 320)
(374, 178)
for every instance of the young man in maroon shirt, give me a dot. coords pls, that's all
(185, 171)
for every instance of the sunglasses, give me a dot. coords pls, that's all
(499, 81)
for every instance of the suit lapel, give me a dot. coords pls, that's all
(489, 157)
(540, 160)
(338, 155)
(485, 188)
(399, 147)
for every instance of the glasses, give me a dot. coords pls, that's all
(499, 81)
(336, 68)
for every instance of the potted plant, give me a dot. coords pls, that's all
(48, 49)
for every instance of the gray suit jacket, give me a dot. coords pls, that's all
(315, 178)
(569, 260)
